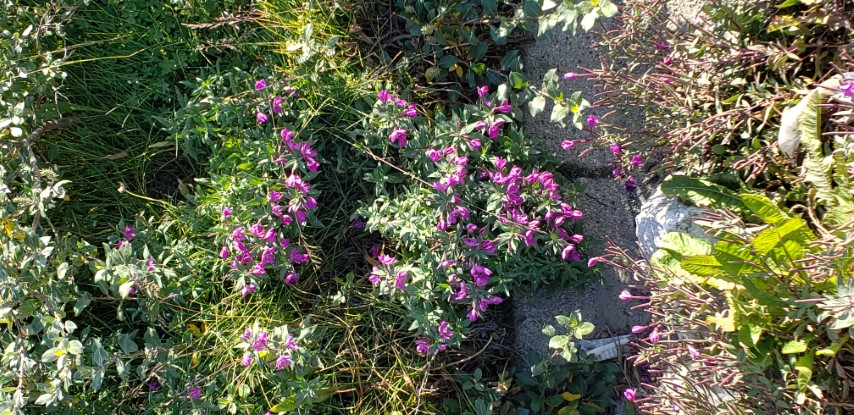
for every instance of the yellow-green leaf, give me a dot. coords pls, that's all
(569, 397)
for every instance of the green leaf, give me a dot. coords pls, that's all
(584, 329)
(833, 349)
(537, 105)
(549, 330)
(701, 192)
(804, 367)
(794, 229)
(518, 81)
(794, 346)
(735, 258)
(559, 113)
(127, 344)
(286, 405)
(607, 8)
(559, 342)
(763, 208)
(490, 7)
(703, 265)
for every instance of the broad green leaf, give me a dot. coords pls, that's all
(736, 259)
(518, 80)
(286, 405)
(559, 342)
(794, 229)
(490, 7)
(804, 367)
(794, 346)
(682, 244)
(703, 265)
(833, 349)
(549, 330)
(607, 8)
(569, 397)
(584, 329)
(127, 344)
(537, 105)
(764, 208)
(701, 192)
(559, 113)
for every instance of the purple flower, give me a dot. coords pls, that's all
(630, 394)
(630, 185)
(257, 229)
(667, 61)
(290, 342)
(291, 278)
(248, 289)
(471, 228)
(434, 155)
(298, 258)
(638, 329)
(617, 172)
(257, 269)
(695, 354)
(481, 274)
(567, 252)
(615, 149)
(260, 342)
(569, 76)
(625, 295)
(494, 129)
(847, 88)
(445, 333)
(274, 196)
(153, 385)
(194, 393)
(592, 120)
(400, 280)
(283, 361)
(654, 337)
(287, 135)
(482, 91)
(150, 264)
(247, 334)
(473, 315)
(666, 80)
(223, 253)
(567, 144)
(261, 118)
(422, 346)
(383, 96)
(504, 107)
(475, 144)
(662, 46)
(375, 250)
(637, 160)
(226, 212)
(129, 233)
(358, 224)
(398, 136)
(462, 294)
(480, 125)
(386, 259)
(277, 104)
(247, 359)
(260, 84)
(410, 111)
(592, 261)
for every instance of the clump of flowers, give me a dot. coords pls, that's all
(273, 349)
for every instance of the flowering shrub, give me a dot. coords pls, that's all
(471, 218)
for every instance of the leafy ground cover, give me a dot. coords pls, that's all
(324, 207)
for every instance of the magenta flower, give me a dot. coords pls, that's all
(494, 129)
(592, 120)
(358, 224)
(260, 342)
(257, 229)
(504, 107)
(153, 385)
(473, 315)
(150, 264)
(654, 337)
(398, 136)
(194, 393)
(617, 172)
(287, 135)
(386, 259)
(569, 76)
(660, 46)
(637, 160)
(223, 253)
(291, 278)
(666, 80)
(247, 359)
(847, 88)
(129, 233)
(257, 269)
(383, 96)
(462, 294)
(592, 261)
(400, 280)
(260, 84)
(481, 274)
(630, 184)
(226, 212)
(475, 144)
(298, 258)
(247, 334)
(625, 295)
(422, 346)
(274, 196)
(638, 329)
(277, 104)
(630, 394)
(480, 125)
(693, 352)
(482, 91)
(261, 118)
(434, 155)
(615, 149)
(290, 342)
(248, 289)
(410, 111)
(567, 144)
(566, 254)
(445, 333)
(283, 361)
(667, 61)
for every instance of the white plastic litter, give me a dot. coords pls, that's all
(604, 349)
